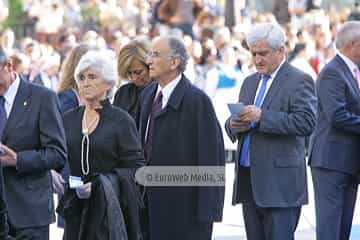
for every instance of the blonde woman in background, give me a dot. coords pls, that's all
(131, 66)
(68, 92)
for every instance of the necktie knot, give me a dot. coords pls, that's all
(158, 98)
(2, 100)
(266, 77)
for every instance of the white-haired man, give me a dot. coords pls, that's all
(335, 154)
(279, 113)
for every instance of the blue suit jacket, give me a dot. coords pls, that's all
(34, 130)
(277, 145)
(68, 100)
(336, 142)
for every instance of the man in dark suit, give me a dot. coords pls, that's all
(335, 154)
(279, 112)
(179, 128)
(33, 141)
(3, 211)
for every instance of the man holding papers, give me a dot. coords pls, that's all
(279, 112)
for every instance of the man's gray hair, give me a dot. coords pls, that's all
(272, 33)
(349, 31)
(178, 49)
(103, 62)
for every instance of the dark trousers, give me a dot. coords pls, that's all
(335, 197)
(193, 231)
(266, 223)
(33, 233)
(144, 219)
(199, 231)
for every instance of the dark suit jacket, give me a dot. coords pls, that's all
(186, 133)
(277, 145)
(127, 97)
(3, 219)
(38, 80)
(34, 130)
(68, 100)
(336, 144)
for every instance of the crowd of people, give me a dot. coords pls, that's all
(91, 91)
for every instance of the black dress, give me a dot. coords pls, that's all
(127, 97)
(114, 145)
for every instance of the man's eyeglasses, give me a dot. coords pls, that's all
(156, 55)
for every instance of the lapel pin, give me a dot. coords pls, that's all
(25, 103)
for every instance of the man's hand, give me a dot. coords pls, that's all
(238, 126)
(9, 157)
(250, 113)
(84, 191)
(58, 182)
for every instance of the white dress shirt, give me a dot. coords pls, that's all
(11, 94)
(349, 63)
(268, 83)
(166, 92)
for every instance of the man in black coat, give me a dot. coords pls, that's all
(179, 128)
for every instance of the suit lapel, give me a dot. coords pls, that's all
(276, 85)
(21, 103)
(146, 107)
(349, 75)
(249, 95)
(148, 99)
(177, 95)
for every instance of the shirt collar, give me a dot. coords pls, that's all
(168, 89)
(11, 92)
(273, 75)
(351, 65)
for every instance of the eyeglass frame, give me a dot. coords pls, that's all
(158, 55)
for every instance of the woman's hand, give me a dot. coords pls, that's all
(84, 191)
(58, 182)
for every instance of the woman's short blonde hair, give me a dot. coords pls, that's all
(134, 50)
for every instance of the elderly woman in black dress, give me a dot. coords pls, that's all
(102, 141)
(132, 67)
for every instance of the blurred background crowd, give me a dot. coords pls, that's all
(38, 35)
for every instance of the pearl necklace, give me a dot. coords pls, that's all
(86, 140)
